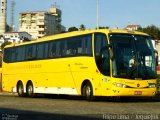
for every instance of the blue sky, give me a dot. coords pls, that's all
(112, 13)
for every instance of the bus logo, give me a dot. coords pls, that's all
(138, 85)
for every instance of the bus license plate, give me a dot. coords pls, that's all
(137, 92)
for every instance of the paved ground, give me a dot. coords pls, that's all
(13, 107)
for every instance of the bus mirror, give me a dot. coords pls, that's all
(156, 55)
(157, 60)
(105, 49)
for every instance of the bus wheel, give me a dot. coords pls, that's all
(30, 90)
(89, 92)
(20, 89)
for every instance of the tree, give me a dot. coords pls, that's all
(1, 36)
(26, 39)
(72, 29)
(82, 27)
(4, 44)
(8, 28)
(152, 30)
(103, 27)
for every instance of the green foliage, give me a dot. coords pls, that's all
(8, 28)
(4, 44)
(72, 29)
(103, 27)
(152, 30)
(25, 39)
(82, 27)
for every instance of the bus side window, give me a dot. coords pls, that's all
(40, 50)
(7, 55)
(31, 52)
(52, 49)
(87, 45)
(62, 48)
(20, 53)
(46, 50)
(13, 55)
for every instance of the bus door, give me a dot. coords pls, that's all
(102, 59)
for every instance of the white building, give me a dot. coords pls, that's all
(1, 40)
(16, 37)
(132, 27)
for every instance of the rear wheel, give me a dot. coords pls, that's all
(89, 92)
(20, 89)
(30, 90)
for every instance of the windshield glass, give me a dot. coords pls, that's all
(134, 56)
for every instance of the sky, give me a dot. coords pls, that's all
(112, 13)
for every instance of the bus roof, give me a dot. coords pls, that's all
(76, 33)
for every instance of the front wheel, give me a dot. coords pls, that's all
(89, 92)
(30, 90)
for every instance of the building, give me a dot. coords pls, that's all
(3, 6)
(15, 37)
(41, 23)
(132, 27)
(1, 41)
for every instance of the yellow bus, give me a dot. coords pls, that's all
(88, 63)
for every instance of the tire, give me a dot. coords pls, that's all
(89, 92)
(20, 90)
(30, 90)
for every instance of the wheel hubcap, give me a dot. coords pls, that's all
(88, 91)
(30, 90)
(20, 90)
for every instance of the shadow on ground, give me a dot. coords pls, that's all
(13, 114)
(104, 99)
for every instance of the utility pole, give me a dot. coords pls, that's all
(97, 14)
(12, 14)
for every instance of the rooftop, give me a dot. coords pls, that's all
(32, 12)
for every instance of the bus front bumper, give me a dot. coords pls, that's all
(130, 92)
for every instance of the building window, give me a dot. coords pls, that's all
(41, 26)
(33, 15)
(41, 15)
(41, 32)
(2, 3)
(23, 15)
(41, 20)
(33, 21)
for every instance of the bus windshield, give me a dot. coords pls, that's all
(134, 56)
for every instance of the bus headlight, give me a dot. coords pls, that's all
(152, 85)
(119, 85)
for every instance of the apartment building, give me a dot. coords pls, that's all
(41, 23)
